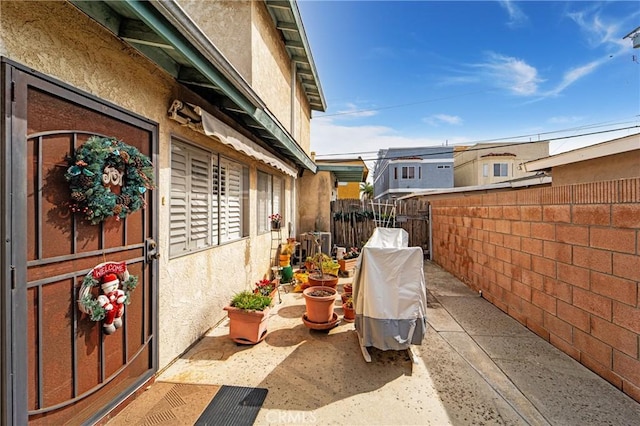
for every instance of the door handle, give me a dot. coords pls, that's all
(152, 250)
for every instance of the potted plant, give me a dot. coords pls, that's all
(348, 261)
(285, 254)
(326, 274)
(248, 314)
(265, 287)
(349, 313)
(320, 302)
(276, 220)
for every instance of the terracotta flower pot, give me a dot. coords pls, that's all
(349, 313)
(247, 327)
(320, 302)
(325, 280)
(348, 288)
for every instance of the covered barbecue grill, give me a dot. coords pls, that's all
(389, 291)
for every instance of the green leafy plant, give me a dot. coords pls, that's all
(249, 301)
(349, 302)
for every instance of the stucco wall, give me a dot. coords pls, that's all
(302, 133)
(349, 190)
(228, 26)
(193, 289)
(314, 203)
(619, 166)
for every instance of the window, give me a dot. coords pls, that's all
(270, 199)
(408, 172)
(501, 169)
(395, 173)
(209, 199)
(485, 170)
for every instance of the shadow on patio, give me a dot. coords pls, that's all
(476, 365)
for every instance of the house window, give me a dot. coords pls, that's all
(270, 199)
(209, 199)
(395, 173)
(485, 170)
(408, 172)
(500, 169)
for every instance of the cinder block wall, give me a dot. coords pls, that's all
(563, 261)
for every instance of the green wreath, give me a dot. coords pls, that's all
(99, 163)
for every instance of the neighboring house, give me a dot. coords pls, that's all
(219, 95)
(349, 173)
(614, 159)
(402, 171)
(483, 164)
(323, 187)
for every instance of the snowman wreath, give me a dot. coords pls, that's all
(109, 305)
(100, 165)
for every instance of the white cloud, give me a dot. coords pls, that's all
(331, 139)
(512, 74)
(574, 75)
(353, 111)
(564, 119)
(516, 16)
(597, 31)
(436, 119)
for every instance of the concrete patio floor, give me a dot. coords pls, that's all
(475, 366)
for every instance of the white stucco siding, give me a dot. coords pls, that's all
(192, 289)
(271, 65)
(228, 25)
(303, 120)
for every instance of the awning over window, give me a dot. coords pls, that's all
(201, 121)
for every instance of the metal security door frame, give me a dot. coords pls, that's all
(13, 224)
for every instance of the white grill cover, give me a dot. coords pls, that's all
(390, 296)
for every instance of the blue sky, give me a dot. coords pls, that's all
(428, 73)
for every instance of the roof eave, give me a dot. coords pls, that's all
(176, 30)
(616, 146)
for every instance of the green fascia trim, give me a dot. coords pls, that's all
(150, 16)
(261, 117)
(346, 172)
(156, 21)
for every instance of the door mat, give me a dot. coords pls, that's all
(166, 403)
(233, 406)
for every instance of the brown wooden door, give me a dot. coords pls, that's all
(68, 369)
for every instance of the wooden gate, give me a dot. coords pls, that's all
(65, 368)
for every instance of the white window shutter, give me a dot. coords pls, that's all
(215, 204)
(200, 202)
(231, 202)
(178, 202)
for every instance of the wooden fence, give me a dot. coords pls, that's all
(353, 221)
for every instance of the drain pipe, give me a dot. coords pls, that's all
(430, 227)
